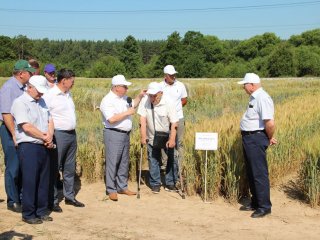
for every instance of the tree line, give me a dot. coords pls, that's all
(194, 55)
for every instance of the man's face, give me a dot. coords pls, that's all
(25, 76)
(170, 78)
(34, 93)
(155, 98)
(50, 76)
(68, 83)
(248, 87)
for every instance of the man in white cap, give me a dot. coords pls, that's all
(257, 129)
(177, 92)
(158, 113)
(117, 110)
(34, 132)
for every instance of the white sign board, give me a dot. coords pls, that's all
(206, 141)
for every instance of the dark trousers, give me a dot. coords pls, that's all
(12, 175)
(66, 149)
(53, 177)
(34, 161)
(254, 148)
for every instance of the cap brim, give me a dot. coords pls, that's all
(242, 82)
(127, 83)
(152, 92)
(42, 89)
(32, 70)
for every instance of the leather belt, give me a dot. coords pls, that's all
(66, 131)
(119, 130)
(245, 133)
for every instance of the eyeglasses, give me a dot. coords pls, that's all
(51, 73)
(124, 86)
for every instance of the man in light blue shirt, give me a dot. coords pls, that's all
(34, 133)
(10, 90)
(257, 129)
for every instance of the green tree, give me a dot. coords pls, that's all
(131, 56)
(107, 66)
(6, 49)
(281, 61)
(308, 61)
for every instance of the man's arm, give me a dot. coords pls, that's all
(173, 133)
(32, 131)
(9, 122)
(138, 98)
(184, 101)
(120, 116)
(143, 130)
(270, 128)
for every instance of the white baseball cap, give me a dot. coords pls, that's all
(169, 69)
(250, 78)
(120, 80)
(154, 88)
(39, 82)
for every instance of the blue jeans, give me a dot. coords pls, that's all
(154, 159)
(12, 177)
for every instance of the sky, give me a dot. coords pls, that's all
(156, 20)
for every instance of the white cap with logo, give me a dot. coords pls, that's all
(250, 78)
(169, 69)
(39, 82)
(154, 88)
(120, 80)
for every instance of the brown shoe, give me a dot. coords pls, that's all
(113, 196)
(127, 192)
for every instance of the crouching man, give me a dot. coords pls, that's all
(34, 131)
(158, 113)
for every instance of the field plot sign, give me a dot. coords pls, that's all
(206, 141)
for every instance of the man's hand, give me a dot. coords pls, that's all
(171, 143)
(144, 140)
(273, 141)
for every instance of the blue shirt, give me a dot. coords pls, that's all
(25, 109)
(10, 90)
(260, 108)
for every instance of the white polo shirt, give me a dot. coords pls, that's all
(260, 108)
(164, 114)
(25, 109)
(175, 92)
(62, 109)
(112, 104)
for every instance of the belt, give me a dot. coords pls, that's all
(118, 130)
(245, 133)
(66, 131)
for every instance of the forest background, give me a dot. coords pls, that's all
(194, 55)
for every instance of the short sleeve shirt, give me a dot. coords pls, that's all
(62, 108)
(260, 108)
(111, 105)
(164, 114)
(175, 92)
(27, 110)
(10, 90)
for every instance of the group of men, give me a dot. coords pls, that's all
(158, 107)
(38, 139)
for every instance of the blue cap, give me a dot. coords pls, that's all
(49, 68)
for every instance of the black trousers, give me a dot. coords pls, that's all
(34, 160)
(254, 149)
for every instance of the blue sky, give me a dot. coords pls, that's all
(155, 20)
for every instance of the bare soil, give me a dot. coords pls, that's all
(165, 216)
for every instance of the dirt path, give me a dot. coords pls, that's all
(164, 216)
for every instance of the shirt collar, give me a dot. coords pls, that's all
(256, 93)
(57, 90)
(20, 85)
(28, 97)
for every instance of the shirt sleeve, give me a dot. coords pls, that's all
(184, 93)
(5, 101)
(172, 112)
(142, 111)
(20, 112)
(107, 109)
(266, 108)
